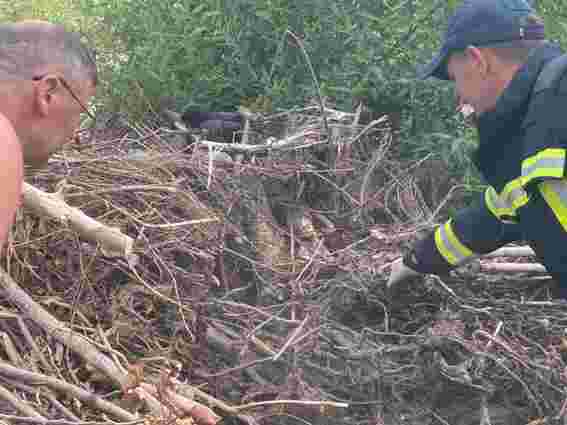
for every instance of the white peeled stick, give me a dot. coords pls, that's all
(400, 273)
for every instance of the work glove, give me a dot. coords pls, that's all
(400, 273)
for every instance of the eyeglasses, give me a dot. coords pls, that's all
(72, 93)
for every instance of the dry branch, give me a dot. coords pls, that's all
(86, 397)
(67, 337)
(511, 251)
(513, 268)
(43, 421)
(112, 241)
(57, 330)
(297, 141)
(18, 404)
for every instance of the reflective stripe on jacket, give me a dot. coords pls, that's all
(522, 155)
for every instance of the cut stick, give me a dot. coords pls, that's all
(511, 251)
(512, 268)
(20, 405)
(32, 378)
(112, 241)
(57, 330)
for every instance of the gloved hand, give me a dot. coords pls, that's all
(400, 273)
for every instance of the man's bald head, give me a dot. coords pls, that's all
(47, 76)
(30, 47)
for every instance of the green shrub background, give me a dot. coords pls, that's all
(218, 54)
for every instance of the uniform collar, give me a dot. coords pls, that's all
(499, 150)
(515, 97)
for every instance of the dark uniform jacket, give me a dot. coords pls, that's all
(522, 156)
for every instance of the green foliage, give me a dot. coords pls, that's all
(220, 53)
(217, 54)
(166, 48)
(57, 11)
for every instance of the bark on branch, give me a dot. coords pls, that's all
(81, 346)
(33, 378)
(57, 330)
(112, 241)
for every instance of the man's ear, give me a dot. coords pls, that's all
(478, 59)
(45, 89)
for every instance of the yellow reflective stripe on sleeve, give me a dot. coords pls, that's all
(508, 202)
(497, 207)
(547, 163)
(449, 245)
(442, 248)
(514, 194)
(555, 194)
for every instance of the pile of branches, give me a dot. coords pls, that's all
(155, 277)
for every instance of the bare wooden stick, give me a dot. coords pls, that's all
(512, 268)
(292, 337)
(74, 341)
(43, 421)
(10, 349)
(59, 331)
(47, 393)
(294, 402)
(31, 341)
(512, 251)
(112, 241)
(496, 332)
(61, 407)
(18, 404)
(58, 385)
(296, 141)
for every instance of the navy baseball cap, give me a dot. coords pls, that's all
(483, 22)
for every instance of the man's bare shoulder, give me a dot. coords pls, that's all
(11, 176)
(8, 132)
(11, 156)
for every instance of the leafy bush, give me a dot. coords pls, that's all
(217, 54)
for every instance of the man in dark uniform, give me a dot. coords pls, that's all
(47, 76)
(516, 82)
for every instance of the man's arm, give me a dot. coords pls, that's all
(474, 231)
(11, 177)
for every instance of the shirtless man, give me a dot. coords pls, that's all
(47, 76)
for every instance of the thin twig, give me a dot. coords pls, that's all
(18, 404)
(58, 385)
(291, 402)
(291, 338)
(79, 344)
(301, 46)
(43, 421)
